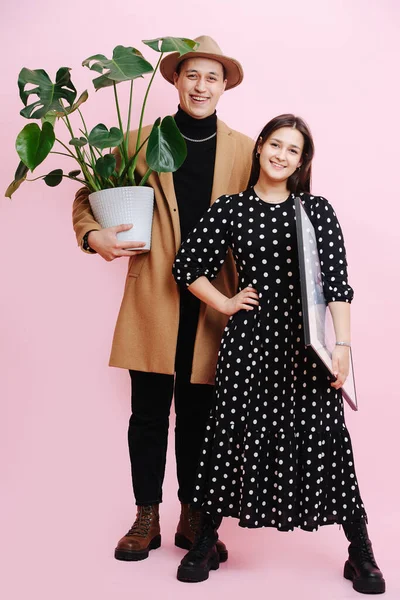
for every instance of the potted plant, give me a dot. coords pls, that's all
(109, 175)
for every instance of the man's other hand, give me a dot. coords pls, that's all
(106, 243)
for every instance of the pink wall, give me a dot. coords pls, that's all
(64, 463)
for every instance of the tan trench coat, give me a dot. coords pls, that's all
(147, 327)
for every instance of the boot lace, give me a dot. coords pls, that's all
(202, 545)
(141, 526)
(365, 546)
(367, 553)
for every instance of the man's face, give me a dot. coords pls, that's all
(200, 85)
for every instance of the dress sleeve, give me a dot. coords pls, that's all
(332, 252)
(204, 252)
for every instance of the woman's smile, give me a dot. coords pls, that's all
(277, 165)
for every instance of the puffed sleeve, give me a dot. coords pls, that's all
(204, 252)
(332, 252)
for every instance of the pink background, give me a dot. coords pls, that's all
(65, 481)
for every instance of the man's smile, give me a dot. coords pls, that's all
(199, 98)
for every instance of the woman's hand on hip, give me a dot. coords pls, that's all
(246, 299)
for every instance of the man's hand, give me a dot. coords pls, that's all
(106, 243)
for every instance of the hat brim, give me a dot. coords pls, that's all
(233, 68)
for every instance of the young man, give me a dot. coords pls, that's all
(166, 338)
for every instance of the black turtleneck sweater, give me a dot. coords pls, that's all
(193, 181)
(193, 187)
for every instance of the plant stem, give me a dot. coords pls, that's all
(132, 168)
(117, 105)
(80, 154)
(92, 148)
(88, 158)
(67, 149)
(76, 179)
(80, 159)
(122, 146)
(67, 176)
(61, 154)
(68, 155)
(92, 159)
(146, 176)
(36, 178)
(144, 102)
(128, 125)
(122, 152)
(84, 124)
(86, 133)
(68, 124)
(88, 175)
(133, 158)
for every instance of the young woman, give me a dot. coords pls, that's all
(277, 452)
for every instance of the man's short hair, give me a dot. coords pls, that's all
(179, 67)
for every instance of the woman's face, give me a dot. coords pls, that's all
(280, 155)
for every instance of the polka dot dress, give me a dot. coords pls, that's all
(277, 452)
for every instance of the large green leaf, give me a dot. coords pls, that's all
(34, 144)
(166, 149)
(54, 178)
(105, 165)
(126, 64)
(101, 138)
(172, 44)
(50, 95)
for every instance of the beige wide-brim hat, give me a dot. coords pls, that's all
(207, 48)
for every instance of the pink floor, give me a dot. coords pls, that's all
(58, 538)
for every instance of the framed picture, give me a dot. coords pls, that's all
(319, 332)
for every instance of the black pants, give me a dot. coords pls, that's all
(148, 426)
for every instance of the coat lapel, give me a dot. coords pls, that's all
(167, 184)
(224, 159)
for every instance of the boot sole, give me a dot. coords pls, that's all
(362, 585)
(196, 575)
(181, 541)
(130, 555)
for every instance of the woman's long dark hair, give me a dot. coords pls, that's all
(300, 180)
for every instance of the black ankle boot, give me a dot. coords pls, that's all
(361, 567)
(203, 556)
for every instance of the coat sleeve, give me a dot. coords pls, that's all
(204, 252)
(332, 252)
(82, 216)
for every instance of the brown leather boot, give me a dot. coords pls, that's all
(143, 536)
(188, 526)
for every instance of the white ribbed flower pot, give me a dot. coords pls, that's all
(130, 204)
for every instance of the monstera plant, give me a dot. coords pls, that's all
(96, 165)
